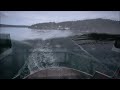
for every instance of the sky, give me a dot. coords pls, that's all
(33, 17)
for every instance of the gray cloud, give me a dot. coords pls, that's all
(32, 17)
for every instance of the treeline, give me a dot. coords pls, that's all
(5, 25)
(90, 24)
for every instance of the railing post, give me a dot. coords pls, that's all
(91, 67)
(66, 56)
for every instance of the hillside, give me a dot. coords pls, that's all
(84, 25)
(5, 25)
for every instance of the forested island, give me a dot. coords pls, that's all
(89, 24)
(6, 25)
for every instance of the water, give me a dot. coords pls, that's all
(26, 33)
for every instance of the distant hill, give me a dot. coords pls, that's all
(5, 25)
(90, 24)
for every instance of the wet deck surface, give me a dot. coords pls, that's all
(58, 73)
(50, 53)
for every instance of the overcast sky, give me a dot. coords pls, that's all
(32, 17)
